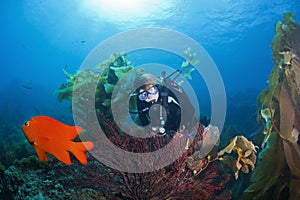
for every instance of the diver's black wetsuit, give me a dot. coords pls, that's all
(178, 110)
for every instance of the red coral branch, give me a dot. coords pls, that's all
(175, 181)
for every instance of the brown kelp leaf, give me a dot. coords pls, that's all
(287, 114)
(292, 158)
(228, 149)
(294, 188)
(245, 151)
(269, 169)
(249, 162)
(245, 169)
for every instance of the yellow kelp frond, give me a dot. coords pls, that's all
(244, 155)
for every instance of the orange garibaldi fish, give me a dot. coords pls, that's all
(48, 135)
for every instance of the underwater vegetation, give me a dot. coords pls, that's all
(115, 74)
(13, 147)
(271, 171)
(191, 176)
(179, 180)
(105, 75)
(8, 190)
(277, 175)
(13, 144)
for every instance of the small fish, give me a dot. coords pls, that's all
(27, 85)
(47, 135)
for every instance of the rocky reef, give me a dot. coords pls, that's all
(189, 177)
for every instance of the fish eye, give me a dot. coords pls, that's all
(26, 123)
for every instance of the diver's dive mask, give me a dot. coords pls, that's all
(149, 94)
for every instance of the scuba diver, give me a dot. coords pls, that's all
(162, 105)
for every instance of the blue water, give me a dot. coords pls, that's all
(41, 37)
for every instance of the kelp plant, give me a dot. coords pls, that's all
(277, 175)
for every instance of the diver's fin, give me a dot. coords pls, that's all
(78, 149)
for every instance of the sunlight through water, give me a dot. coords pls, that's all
(117, 11)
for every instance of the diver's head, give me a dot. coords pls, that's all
(146, 85)
(145, 79)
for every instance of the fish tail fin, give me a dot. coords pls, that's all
(78, 149)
